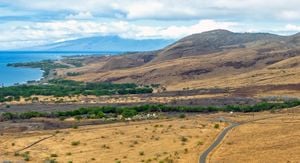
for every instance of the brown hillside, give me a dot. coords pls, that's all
(209, 42)
(217, 58)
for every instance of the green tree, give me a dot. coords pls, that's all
(127, 113)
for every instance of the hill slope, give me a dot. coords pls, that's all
(209, 42)
(105, 43)
(207, 60)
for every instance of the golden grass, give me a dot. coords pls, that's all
(271, 140)
(180, 140)
(259, 77)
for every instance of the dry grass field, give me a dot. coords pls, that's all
(261, 137)
(270, 140)
(180, 140)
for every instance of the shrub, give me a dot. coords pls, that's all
(186, 150)
(200, 143)
(141, 153)
(69, 154)
(7, 116)
(184, 139)
(53, 155)
(100, 114)
(217, 126)
(50, 161)
(105, 146)
(127, 113)
(75, 143)
(182, 116)
(62, 118)
(26, 156)
(78, 117)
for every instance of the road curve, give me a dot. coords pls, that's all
(216, 142)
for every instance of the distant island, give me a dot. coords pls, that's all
(104, 43)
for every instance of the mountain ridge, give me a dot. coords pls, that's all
(104, 43)
(211, 41)
(211, 59)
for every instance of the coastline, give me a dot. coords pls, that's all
(10, 58)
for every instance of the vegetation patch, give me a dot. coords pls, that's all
(63, 88)
(75, 143)
(129, 111)
(73, 73)
(45, 65)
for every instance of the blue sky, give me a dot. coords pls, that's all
(25, 23)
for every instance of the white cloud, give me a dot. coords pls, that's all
(61, 30)
(289, 15)
(160, 10)
(66, 19)
(201, 26)
(291, 27)
(167, 9)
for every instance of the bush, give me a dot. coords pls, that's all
(75, 143)
(217, 126)
(26, 156)
(200, 143)
(184, 139)
(53, 155)
(100, 114)
(182, 116)
(127, 113)
(50, 161)
(141, 153)
(69, 154)
(62, 118)
(78, 117)
(73, 73)
(186, 150)
(7, 116)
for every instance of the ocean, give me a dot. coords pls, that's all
(11, 75)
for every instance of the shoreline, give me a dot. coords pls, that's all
(47, 66)
(38, 70)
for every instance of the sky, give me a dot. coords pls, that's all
(25, 23)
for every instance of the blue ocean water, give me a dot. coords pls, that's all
(11, 75)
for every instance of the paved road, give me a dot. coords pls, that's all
(216, 142)
(223, 134)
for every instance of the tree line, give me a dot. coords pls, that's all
(62, 88)
(130, 111)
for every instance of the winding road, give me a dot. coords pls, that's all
(223, 134)
(217, 141)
